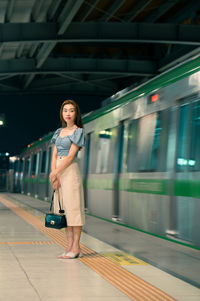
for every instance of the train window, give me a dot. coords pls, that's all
(183, 145)
(160, 140)
(16, 165)
(26, 167)
(33, 167)
(102, 150)
(194, 159)
(132, 145)
(145, 140)
(152, 142)
(44, 159)
(35, 164)
(21, 165)
(93, 146)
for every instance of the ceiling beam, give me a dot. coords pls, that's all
(106, 85)
(112, 10)
(65, 18)
(10, 10)
(95, 33)
(69, 90)
(28, 79)
(161, 10)
(77, 66)
(187, 11)
(52, 9)
(5, 77)
(85, 12)
(137, 9)
(49, 83)
(68, 13)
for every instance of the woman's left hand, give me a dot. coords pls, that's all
(53, 176)
(55, 184)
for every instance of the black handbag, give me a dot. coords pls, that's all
(56, 221)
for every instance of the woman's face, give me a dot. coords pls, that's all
(69, 113)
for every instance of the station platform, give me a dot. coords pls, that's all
(117, 263)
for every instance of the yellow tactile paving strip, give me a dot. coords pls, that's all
(26, 242)
(122, 258)
(131, 285)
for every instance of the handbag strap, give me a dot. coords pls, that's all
(52, 200)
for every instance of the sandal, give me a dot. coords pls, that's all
(63, 256)
(69, 255)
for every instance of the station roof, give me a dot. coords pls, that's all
(93, 47)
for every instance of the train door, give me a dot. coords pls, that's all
(34, 175)
(187, 168)
(3, 177)
(100, 173)
(26, 177)
(117, 169)
(20, 175)
(43, 177)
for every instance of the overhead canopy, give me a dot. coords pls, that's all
(92, 47)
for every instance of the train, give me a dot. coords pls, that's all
(141, 163)
(4, 167)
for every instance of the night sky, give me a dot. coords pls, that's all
(29, 117)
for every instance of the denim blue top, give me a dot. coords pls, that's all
(63, 144)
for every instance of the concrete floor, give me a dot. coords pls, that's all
(30, 269)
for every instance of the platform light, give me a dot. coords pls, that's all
(191, 162)
(13, 159)
(7, 154)
(2, 120)
(106, 133)
(184, 162)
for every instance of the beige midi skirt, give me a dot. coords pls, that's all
(70, 194)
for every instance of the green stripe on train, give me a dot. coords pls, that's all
(149, 186)
(155, 186)
(36, 180)
(187, 188)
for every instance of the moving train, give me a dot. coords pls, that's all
(141, 163)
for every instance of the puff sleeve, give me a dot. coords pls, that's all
(55, 135)
(78, 137)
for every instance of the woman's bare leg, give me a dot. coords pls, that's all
(70, 238)
(76, 239)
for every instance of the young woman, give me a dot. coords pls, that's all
(65, 174)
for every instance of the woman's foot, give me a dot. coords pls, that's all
(63, 256)
(72, 255)
(69, 255)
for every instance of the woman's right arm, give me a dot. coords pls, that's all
(53, 158)
(55, 184)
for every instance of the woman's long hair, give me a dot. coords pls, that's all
(78, 120)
